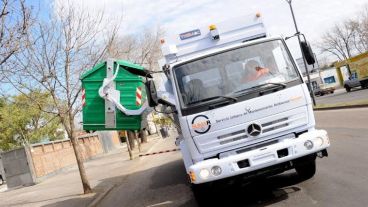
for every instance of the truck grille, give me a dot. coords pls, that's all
(234, 136)
(271, 125)
(281, 123)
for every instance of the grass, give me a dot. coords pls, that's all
(342, 104)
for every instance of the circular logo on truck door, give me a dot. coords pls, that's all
(201, 124)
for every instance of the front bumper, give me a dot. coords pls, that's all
(259, 158)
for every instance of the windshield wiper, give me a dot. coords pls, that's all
(261, 86)
(215, 97)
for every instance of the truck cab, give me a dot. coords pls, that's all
(240, 102)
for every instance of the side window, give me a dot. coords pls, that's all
(280, 60)
(354, 75)
(284, 66)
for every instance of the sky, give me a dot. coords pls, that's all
(313, 17)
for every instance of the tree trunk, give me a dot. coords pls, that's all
(128, 146)
(82, 171)
(131, 137)
(143, 136)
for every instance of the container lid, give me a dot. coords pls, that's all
(102, 64)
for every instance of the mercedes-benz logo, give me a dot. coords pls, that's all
(254, 130)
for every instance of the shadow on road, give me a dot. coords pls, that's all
(74, 202)
(262, 192)
(167, 185)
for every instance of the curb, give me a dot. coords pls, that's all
(99, 198)
(160, 152)
(341, 107)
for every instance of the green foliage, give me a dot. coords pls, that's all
(27, 119)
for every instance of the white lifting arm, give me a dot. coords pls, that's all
(108, 92)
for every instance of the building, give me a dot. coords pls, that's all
(328, 76)
(356, 67)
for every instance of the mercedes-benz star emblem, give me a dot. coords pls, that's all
(254, 130)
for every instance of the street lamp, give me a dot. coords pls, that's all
(305, 63)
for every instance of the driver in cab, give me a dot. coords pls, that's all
(254, 71)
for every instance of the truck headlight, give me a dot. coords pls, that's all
(204, 173)
(308, 144)
(318, 141)
(216, 170)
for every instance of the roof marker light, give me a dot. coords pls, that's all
(212, 27)
(214, 32)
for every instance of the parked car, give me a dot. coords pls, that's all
(354, 82)
(324, 89)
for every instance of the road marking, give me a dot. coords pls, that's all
(160, 204)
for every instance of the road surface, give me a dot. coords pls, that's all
(341, 179)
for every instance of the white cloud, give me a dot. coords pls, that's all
(313, 16)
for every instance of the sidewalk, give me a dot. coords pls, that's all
(65, 189)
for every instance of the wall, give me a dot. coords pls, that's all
(53, 156)
(17, 168)
(116, 138)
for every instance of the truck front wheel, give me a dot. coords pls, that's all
(202, 193)
(306, 170)
(306, 166)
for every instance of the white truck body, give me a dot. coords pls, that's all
(221, 137)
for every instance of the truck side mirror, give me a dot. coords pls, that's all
(152, 97)
(308, 53)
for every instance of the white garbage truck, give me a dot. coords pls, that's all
(240, 102)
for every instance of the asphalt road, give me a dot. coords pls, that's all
(341, 179)
(341, 96)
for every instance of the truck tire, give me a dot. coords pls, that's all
(347, 88)
(202, 193)
(306, 170)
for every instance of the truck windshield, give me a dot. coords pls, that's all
(230, 73)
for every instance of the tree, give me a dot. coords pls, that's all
(338, 40)
(72, 41)
(143, 50)
(15, 22)
(361, 27)
(347, 38)
(24, 122)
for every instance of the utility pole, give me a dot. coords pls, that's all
(305, 63)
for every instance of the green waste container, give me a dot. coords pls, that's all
(95, 114)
